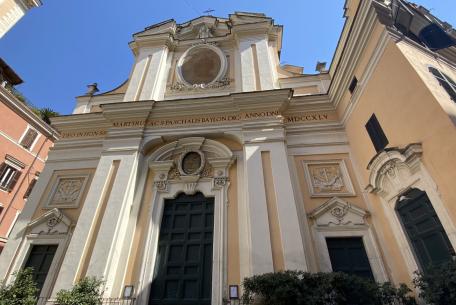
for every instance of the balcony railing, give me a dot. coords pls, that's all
(103, 301)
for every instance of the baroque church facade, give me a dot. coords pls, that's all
(213, 162)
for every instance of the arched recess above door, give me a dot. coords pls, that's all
(188, 160)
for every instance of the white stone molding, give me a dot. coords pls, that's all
(161, 160)
(338, 218)
(336, 182)
(261, 260)
(67, 191)
(218, 51)
(17, 236)
(392, 173)
(52, 228)
(114, 234)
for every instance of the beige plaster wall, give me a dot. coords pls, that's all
(408, 113)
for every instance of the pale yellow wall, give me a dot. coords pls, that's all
(139, 239)
(234, 275)
(100, 211)
(278, 261)
(365, 57)
(408, 113)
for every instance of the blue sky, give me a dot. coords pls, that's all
(64, 45)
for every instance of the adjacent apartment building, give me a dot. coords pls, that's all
(24, 144)
(213, 162)
(11, 11)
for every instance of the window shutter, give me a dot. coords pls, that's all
(376, 133)
(29, 137)
(13, 181)
(2, 169)
(30, 188)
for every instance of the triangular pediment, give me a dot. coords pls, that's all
(336, 212)
(50, 223)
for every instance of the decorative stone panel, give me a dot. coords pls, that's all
(328, 178)
(67, 191)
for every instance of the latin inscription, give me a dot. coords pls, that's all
(83, 134)
(307, 117)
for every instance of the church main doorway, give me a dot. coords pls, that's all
(183, 272)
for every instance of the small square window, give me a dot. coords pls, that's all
(376, 133)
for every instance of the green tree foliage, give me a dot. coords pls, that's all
(22, 291)
(46, 114)
(303, 288)
(87, 291)
(438, 285)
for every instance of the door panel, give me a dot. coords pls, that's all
(348, 255)
(183, 272)
(40, 259)
(424, 230)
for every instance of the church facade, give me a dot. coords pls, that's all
(213, 162)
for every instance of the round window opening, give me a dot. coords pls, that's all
(191, 162)
(201, 66)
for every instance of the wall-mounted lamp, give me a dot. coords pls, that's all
(128, 292)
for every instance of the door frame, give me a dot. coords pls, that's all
(61, 241)
(216, 187)
(393, 173)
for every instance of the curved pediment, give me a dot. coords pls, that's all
(211, 148)
(392, 164)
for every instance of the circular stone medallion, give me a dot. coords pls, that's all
(201, 65)
(191, 163)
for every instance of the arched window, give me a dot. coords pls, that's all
(425, 233)
(445, 81)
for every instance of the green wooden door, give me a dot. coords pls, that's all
(183, 272)
(40, 259)
(424, 229)
(348, 255)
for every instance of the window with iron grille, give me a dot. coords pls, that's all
(29, 138)
(445, 81)
(8, 177)
(376, 133)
